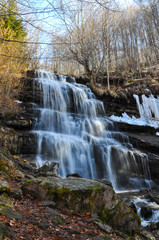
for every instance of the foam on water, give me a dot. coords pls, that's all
(154, 207)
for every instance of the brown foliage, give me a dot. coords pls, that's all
(11, 66)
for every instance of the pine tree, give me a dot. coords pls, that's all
(12, 55)
(11, 18)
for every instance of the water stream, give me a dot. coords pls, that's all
(74, 131)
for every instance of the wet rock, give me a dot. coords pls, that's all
(154, 197)
(146, 212)
(132, 205)
(70, 79)
(153, 226)
(4, 187)
(48, 169)
(73, 175)
(105, 181)
(85, 195)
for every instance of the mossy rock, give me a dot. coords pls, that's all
(8, 212)
(4, 187)
(5, 200)
(85, 195)
(8, 168)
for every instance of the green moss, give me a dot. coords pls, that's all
(74, 199)
(5, 200)
(5, 168)
(56, 220)
(136, 217)
(107, 238)
(9, 212)
(61, 191)
(26, 183)
(105, 214)
(98, 187)
(91, 204)
(131, 80)
(113, 216)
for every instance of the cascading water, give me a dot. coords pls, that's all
(153, 209)
(72, 130)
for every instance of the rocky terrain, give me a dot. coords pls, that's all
(39, 205)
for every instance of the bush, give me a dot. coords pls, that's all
(12, 64)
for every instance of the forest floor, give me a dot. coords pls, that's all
(41, 220)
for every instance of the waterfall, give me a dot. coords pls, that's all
(73, 130)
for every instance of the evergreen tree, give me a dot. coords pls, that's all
(11, 18)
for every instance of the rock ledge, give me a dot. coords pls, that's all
(85, 195)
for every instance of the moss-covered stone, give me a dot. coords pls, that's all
(4, 187)
(5, 200)
(9, 212)
(79, 194)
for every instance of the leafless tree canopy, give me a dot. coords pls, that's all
(91, 36)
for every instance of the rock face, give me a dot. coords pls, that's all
(79, 194)
(121, 100)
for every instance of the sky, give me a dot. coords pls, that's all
(49, 21)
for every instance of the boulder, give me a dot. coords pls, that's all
(85, 195)
(8, 212)
(70, 79)
(7, 209)
(146, 212)
(48, 169)
(5, 201)
(4, 187)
